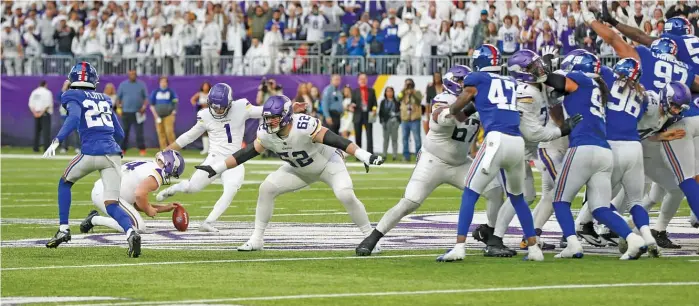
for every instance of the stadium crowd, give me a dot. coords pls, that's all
(130, 32)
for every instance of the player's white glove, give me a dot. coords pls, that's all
(587, 16)
(549, 50)
(367, 158)
(51, 150)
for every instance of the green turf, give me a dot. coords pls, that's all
(28, 191)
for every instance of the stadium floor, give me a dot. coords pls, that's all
(309, 256)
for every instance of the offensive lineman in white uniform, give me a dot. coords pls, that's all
(224, 122)
(442, 160)
(312, 153)
(532, 103)
(139, 178)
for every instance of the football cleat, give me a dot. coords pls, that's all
(663, 241)
(87, 225)
(588, 234)
(134, 241)
(653, 251)
(496, 248)
(455, 254)
(482, 233)
(534, 254)
(207, 227)
(693, 221)
(58, 238)
(370, 244)
(572, 250)
(636, 247)
(612, 238)
(563, 243)
(252, 245)
(164, 195)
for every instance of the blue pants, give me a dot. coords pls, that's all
(408, 127)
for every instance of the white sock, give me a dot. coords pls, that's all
(128, 233)
(573, 242)
(63, 227)
(647, 236)
(108, 222)
(460, 246)
(671, 202)
(543, 211)
(505, 216)
(393, 216)
(222, 204)
(495, 201)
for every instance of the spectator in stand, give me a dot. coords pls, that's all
(333, 13)
(32, 51)
(407, 8)
(293, 26)
(109, 44)
(507, 9)
(355, 43)
(268, 88)
(657, 16)
(586, 37)
(47, 30)
(491, 35)
(276, 20)
(211, 43)
(341, 47)
(364, 25)
(41, 106)
(647, 27)
(433, 89)
(314, 23)
(163, 106)
(459, 39)
(74, 22)
(444, 40)
(622, 11)
(315, 97)
(351, 16)
(679, 9)
(257, 20)
(474, 9)
(91, 40)
(375, 39)
(78, 45)
(331, 104)
(364, 108)
(389, 116)
(12, 51)
(257, 59)
(479, 31)
(132, 97)
(376, 9)
(158, 49)
(547, 37)
(391, 41)
(408, 33)
(188, 36)
(273, 41)
(64, 37)
(235, 35)
(347, 120)
(444, 9)
(638, 19)
(567, 37)
(303, 95)
(492, 16)
(551, 19)
(410, 114)
(508, 37)
(659, 28)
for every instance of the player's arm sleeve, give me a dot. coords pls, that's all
(530, 126)
(72, 121)
(335, 141)
(118, 130)
(246, 154)
(195, 132)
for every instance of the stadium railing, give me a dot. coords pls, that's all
(286, 61)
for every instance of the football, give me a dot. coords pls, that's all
(180, 218)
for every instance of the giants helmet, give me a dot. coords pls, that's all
(83, 75)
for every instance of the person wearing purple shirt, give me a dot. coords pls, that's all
(349, 18)
(567, 37)
(376, 9)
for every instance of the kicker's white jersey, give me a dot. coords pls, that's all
(298, 148)
(652, 120)
(534, 121)
(133, 173)
(449, 139)
(225, 134)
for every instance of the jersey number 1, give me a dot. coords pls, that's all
(98, 113)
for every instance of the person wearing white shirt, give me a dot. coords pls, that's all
(444, 9)
(506, 8)
(41, 106)
(460, 39)
(273, 40)
(314, 23)
(234, 42)
(508, 36)
(187, 35)
(32, 51)
(211, 43)
(257, 61)
(110, 44)
(637, 19)
(157, 20)
(444, 42)
(551, 19)
(333, 12)
(159, 47)
(408, 33)
(386, 21)
(12, 51)
(473, 13)
(91, 40)
(78, 44)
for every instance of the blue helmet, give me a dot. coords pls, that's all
(458, 72)
(628, 71)
(567, 61)
(587, 63)
(451, 85)
(486, 58)
(276, 107)
(83, 75)
(527, 66)
(675, 94)
(678, 26)
(662, 46)
(173, 164)
(220, 98)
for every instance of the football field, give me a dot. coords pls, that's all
(309, 251)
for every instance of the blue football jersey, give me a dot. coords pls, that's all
(687, 49)
(96, 128)
(495, 102)
(586, 101)
(624, 109)
(607, 74)
(658, 71)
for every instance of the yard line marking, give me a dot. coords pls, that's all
(215, 261)
(420, 292)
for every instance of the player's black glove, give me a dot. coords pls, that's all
(606, 17)
(374, 160)
(208, 169)
(569, 124)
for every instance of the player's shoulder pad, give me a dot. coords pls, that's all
(444, 97)
(474, 78)
(203, 115)
(72, 95)
(305, 124)
(242, 103)
(158, 175)
(526, 93)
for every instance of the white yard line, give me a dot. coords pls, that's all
(114, 265)
(420, 292)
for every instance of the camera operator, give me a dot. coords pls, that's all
(267, 89)
(410, 114)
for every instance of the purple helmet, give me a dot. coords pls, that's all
(567, 61)
(451, 85)
(527, 66)
(173, 164)
(458, 73)
(220, 98)
(675, 94)
(276, 106)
